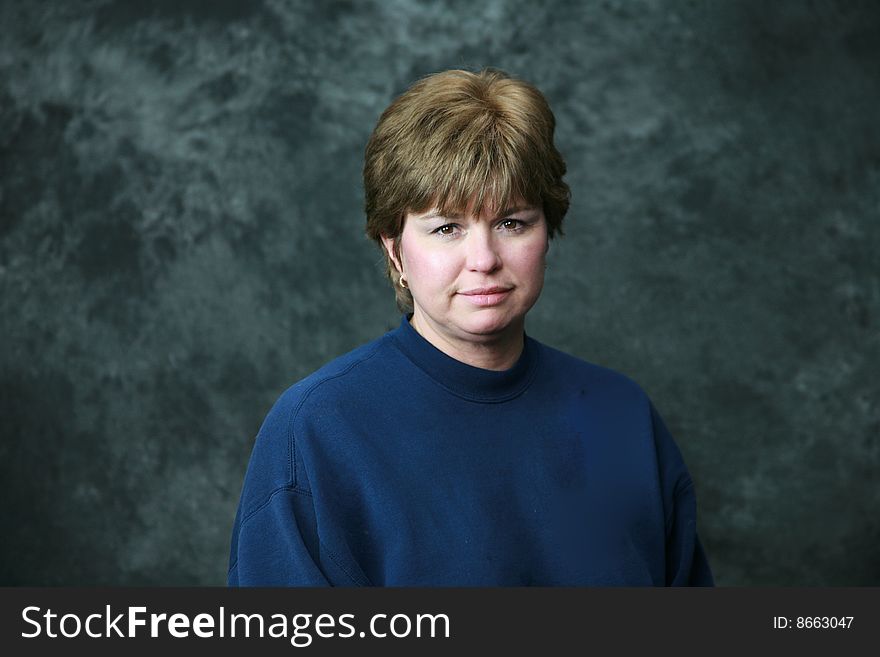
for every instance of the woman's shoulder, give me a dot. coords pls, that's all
(577, 371)
(346, 369)
(273, 447)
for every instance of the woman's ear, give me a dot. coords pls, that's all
(388, 244)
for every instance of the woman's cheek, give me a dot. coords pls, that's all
(434, 270)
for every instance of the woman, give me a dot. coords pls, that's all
(455, 450)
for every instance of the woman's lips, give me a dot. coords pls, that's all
(486, 296)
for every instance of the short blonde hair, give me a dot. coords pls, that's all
(455, 138)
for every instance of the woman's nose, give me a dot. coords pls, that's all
(482, 251)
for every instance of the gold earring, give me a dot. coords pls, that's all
(403, 282)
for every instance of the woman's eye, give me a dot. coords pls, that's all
(448, 229)
(511, 224)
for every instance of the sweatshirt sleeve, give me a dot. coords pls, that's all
(275, 543)
(276, 539)
(686, 562)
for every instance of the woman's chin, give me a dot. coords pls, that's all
(488, 322)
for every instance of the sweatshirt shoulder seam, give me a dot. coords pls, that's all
(681, 487)
(294, 411)
(330, 553)
(255, 510)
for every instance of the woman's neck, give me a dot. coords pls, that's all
(489, 352)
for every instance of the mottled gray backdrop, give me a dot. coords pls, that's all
(181, 238)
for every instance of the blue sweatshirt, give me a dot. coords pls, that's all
(397, 465)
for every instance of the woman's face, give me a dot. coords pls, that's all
(473, 278)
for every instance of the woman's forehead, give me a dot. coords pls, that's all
(492, 208)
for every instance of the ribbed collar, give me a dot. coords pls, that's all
(467, 381)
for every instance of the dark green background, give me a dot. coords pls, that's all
(181, 238)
